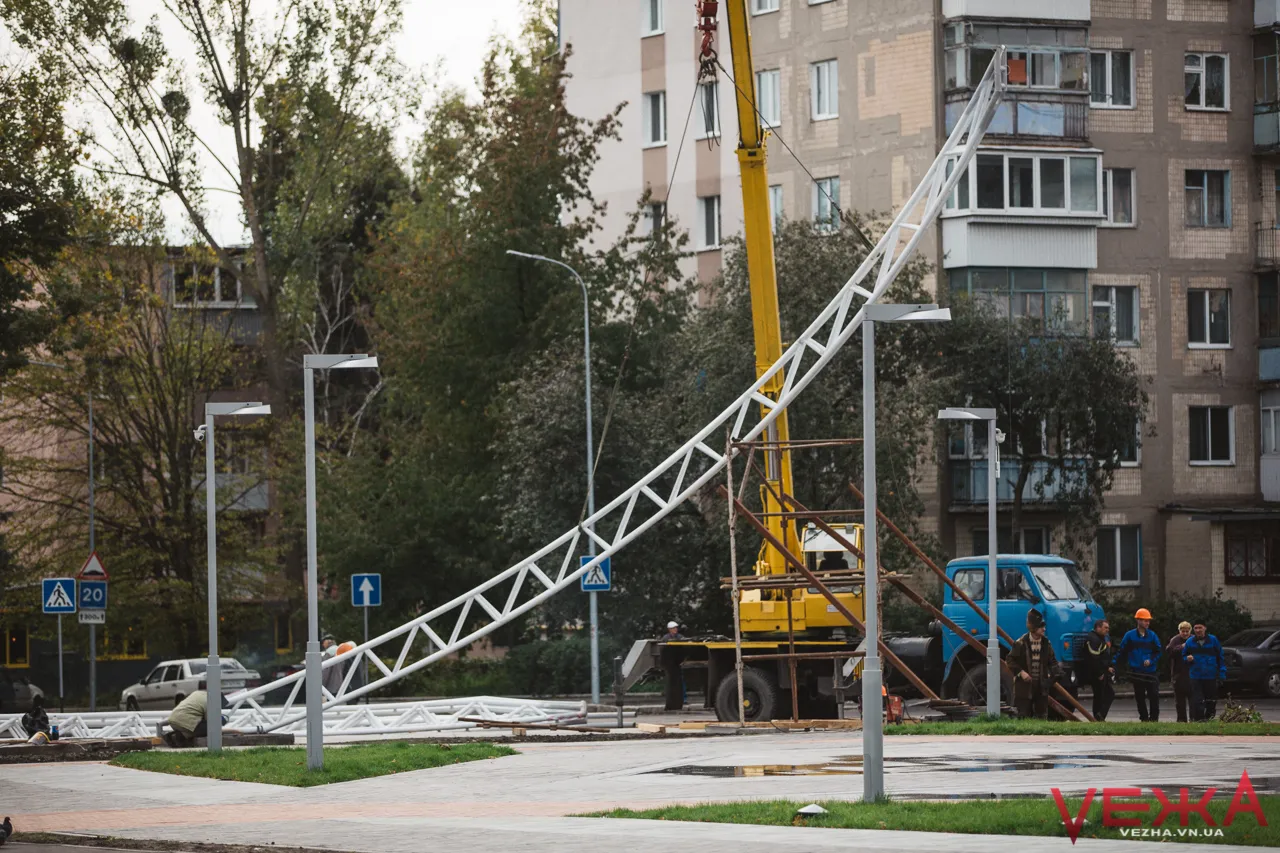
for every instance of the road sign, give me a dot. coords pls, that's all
(58, 595)
(93, 570)
(599, 578)
(93, 617)
(366, 590)
(93, 595)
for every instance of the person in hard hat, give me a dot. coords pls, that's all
(1140, 652)
(1179, 672)
(1034, 667)
(673, 632)
(1098, 669)
(1206, 667)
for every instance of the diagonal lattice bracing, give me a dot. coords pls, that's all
(460, 622)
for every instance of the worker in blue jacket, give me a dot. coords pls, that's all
(1207, 667)
(1140, 651)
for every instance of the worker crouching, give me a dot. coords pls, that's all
(1034, 667)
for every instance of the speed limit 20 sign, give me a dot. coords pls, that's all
(93, 595)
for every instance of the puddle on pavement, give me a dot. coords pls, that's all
(852, 764)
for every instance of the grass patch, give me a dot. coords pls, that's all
(288, 766)
(1008, 726)
(1006, 817)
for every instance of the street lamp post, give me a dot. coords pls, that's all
(993, 465)
(591, 489)
(872, 716)
(315, 697)
(213, 670)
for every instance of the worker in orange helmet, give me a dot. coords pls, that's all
(1140, 651)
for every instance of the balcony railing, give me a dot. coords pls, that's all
(1266, 244)
(969, 482)
(1056, 119)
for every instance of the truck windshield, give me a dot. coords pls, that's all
(1059, 583)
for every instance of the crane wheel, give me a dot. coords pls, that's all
(759, 699)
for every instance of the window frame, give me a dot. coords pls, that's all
(1231, 437)
(768, 118)
(218, 302)
(646, 119)
(655, 216)
(1009, 291)
(776, 209)
(977, 533)
(647, 27)
(831, 68)
(822, 193)
(1110, 303)
(1117, 545)
(703, 244)
(1203, 187)
(968, 186)
(1200, 70)
(756, 6)
(713, 100)
(7, 634)
(1207, 295)
(1269, 414)
(1109, 197)
(1270, 556)
(1109, 84)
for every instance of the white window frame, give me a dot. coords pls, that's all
(1027, 53)
(1267, 438)
(826, 194)
(654, 137)
(1205, 344)
(1226, 78)
(764, 7)
(1109, 87)
(704, 244)
(218, 282)
(770, 107)
(708, 107)
(776, 209)
(1109, 197)
(648, 11)
(655, 213)
(1204, 198)
(1231, 438)
(1115, 529)
(1130, 340)
(953, 208)
(827, 70)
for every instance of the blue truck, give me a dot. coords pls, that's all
(941, 659)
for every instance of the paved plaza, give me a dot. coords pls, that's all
(525, 802)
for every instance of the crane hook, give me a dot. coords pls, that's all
(706, 11)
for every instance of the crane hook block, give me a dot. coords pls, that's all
(707, 25)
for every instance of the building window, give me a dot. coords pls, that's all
(1253, 555)
(1120, 555)
(1037, 69)
(709, 113)
(1057, 297)
(1209, 318)
(709, 215)
(824, 85)
(208, 287)
(1212, 435)
(775, 204)
(1031, 540)
(1115, 314)
(1270, 433)
(654, 118)
(826, 204)
(769, 96)
(655, 216)
(1111, 79)
(652, 23)
(1118, 196)
(1266, 71)
(1037, 57)
(284, 633)
(1206, 81)
(1029, 183)
(1130, 455)
(1268, 307)
(1208, 198)
(17, 646)
(759, 7)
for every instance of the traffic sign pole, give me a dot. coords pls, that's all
(366, 657)
(60, 708)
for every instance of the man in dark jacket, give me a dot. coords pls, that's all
(1178, 672)
(1098, 669)
(1203, 654)
(1140, 651)
(1034, 668)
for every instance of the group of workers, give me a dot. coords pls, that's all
(1196, 668)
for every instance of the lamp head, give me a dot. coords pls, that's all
(199, 433)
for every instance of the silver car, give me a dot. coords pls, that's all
(174, 680)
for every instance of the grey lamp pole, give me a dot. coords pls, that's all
(872, 716)
(591, 458)
(993, 464)
(315, 696)
(213, 671)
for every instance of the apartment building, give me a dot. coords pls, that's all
(1129, 186)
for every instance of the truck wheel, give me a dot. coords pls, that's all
(759, 696)
(973, 687)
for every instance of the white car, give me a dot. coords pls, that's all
(174, 680)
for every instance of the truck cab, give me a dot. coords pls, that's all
(1047, 583)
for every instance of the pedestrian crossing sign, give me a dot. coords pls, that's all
(599, 578)
(58, 595)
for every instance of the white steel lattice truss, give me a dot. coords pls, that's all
(529, 583)
(371, 719)
(524, 586)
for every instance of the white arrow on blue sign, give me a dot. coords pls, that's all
(366, 590)
(93, 595)
(599, 578)
(58, 595)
